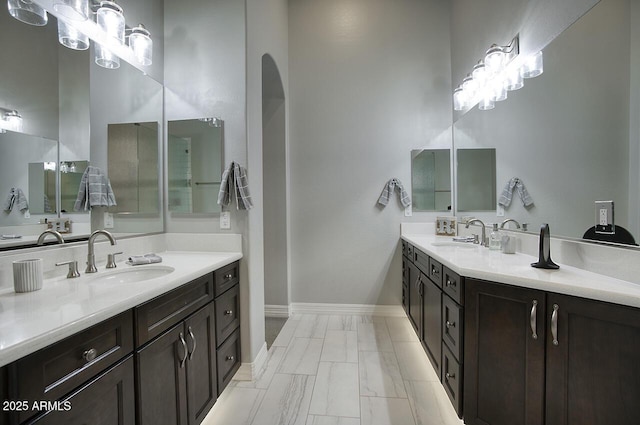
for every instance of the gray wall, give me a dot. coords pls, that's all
(369, 81)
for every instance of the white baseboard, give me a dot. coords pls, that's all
(353, 309)
(279, 311)
(249, 371)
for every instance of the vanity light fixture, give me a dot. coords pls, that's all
(141, 44)
(110, 19)
(500, 71)
(73, 10)
(214, 122)
(28, 12)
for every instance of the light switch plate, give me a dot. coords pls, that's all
(408, 212)
(500, 211)
(225, 220)
(108, 220)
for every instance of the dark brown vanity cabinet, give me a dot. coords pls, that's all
(176, 372)
(227, 304)
(535, 358)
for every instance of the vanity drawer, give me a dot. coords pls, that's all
(452, 379)
(227, 313)
(452, 323)
(156, 316)
(435, 272)
(226, 278)
(421, 260)
(56, 370)
(228, 360)
(453, 285)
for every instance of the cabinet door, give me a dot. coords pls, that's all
(415, 299)
(593, 372)
(201, 363)
(162, 395)
(503, 355)
(107, 399)
(432, 324)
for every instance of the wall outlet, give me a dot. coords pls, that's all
(108, 220)
(408, 212)
(225, 220)
(604, 217)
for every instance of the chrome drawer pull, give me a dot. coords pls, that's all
(450, 282)
(90, 355)
(186, 351)
(554, 324)
(230, 358)
(228, 312)
(228, 277)
(534, 319)
(450, 324)
(449, 376)
(193, 338)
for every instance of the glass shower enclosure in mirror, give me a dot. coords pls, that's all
(195, 161)
(567, 134)
(431, 180)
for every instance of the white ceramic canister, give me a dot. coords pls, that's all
(27, 275)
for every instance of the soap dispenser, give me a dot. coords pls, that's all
(495, 238)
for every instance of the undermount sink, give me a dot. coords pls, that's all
(455, 244)
(133, 275)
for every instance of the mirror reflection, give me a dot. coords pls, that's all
(431, 180)
(195, 165)
(569, 135)
(476, 179)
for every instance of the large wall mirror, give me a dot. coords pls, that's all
(431, 180)
(67, 103)
(572, 135)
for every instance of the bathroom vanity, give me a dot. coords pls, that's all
(160, 353)
(533, 346)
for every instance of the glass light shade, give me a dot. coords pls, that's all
(459, 99)
(105, 58)
(74, 10)
(495, 58)
(485, 104)
(142, 45)
(479, 72)
(28, 12)
(514, 80)
(70, 37)
(110, 19)
(469, 84)
(533, 66)
(14, 121)
(498, 90)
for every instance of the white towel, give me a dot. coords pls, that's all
(94, 191)
(507, 193)
(16, 198)
(234, 180)
(151, 258)
(391, 186)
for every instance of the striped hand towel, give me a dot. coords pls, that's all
(94, 191)
(234, 181)
(391, 186)
(507, 193)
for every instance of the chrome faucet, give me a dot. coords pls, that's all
(504, 223)
(91, 258)
(483, 240)
(44, 234)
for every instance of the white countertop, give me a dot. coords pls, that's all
(515, 269)
(63, 307)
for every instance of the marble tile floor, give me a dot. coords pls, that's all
(340, 370)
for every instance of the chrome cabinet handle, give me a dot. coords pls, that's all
(554, 324)
(90, 355)
(534, 319)
(228, 312)
(230, 358)
(450, 282)
(449, 376)
(418, 282)
(228, 277)
(193, 338)
(450, 324)
(186, 352)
